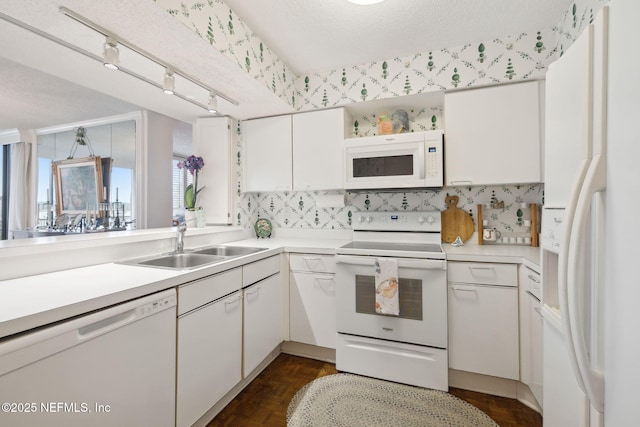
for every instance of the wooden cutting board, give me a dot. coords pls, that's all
(455, 221)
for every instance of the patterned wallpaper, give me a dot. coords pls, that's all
(299, 210)
(503, 59)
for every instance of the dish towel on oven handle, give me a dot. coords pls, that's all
(386, 281)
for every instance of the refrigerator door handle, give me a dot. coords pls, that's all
(563, 262)
(592, 379)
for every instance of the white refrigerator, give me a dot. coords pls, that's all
(592, 185)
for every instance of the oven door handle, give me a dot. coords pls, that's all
(422, 264)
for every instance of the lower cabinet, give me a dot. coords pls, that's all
(531, 325)
(262, 321)
(209, 356)
(312, 300)
(483, 319)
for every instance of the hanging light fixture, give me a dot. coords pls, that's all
(169, 86)
(80, 139)
(213, 103)
(110, 55)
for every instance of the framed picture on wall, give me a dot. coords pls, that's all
(78, 184)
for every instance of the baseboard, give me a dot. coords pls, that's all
(483, 383)
(527, 398)
(309, 351)
(227, 398)
(495, 386)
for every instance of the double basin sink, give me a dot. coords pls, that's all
(196, 258)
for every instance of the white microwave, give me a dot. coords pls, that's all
(407, 160)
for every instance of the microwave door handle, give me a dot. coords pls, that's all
(422, 163)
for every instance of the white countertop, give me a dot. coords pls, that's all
(33, 301)
(470, 251)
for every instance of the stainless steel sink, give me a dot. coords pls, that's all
(180, 261)
(195, 258)
(228, 251)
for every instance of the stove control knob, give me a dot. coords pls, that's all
(421, 219)
(369, 218)
(431, 219)
(360, 218)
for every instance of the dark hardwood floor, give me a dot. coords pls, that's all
(264, 402)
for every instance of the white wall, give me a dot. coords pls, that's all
(156, 193)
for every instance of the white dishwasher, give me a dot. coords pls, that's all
(112, 367)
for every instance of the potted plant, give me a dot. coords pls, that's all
(194, 165)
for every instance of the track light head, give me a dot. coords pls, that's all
(213, 103)
(110, 55)
(169, 86)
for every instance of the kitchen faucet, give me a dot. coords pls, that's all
(182, 227)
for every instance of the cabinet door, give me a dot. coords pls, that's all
(209, 356)
(530, 332)
(318, 152)
(492, 135)
(483, 330)
(262, 321)
(313, 309)
(267, 159)
(212, 141)
(536, 324)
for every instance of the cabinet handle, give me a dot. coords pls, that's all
(233, 301)
(481, 268)
(253, 291)
(534, 278)
(466, 182)
(463, 289)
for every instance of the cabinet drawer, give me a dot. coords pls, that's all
(312, 263)
(256, 271)
(203, 291)
(483, 273)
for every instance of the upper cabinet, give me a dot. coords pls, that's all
(318, 152)
(267, 158)
(492, 135)
(213, 140)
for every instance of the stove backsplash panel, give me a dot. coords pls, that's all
(299, 209)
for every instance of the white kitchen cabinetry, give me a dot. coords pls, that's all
(212, 140)
(209, 343)
(267, 157)
(312, 300)
(262, 311)
(318, 153)
(531, 324)
(483, 318)
(492, 135)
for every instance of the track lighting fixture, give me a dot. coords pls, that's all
(213, 103)
(110, 55)
(110, 59)
(169, 86)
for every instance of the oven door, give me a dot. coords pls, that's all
(422, 291)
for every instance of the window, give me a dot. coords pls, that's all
(181, 178)
(4, 191)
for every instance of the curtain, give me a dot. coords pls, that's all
(22, 205)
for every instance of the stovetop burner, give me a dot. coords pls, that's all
(391, 246)
(396, 234)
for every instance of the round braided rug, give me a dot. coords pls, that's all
(351, 400)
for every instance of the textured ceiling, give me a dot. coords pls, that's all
(312, 35)
(60, 86)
